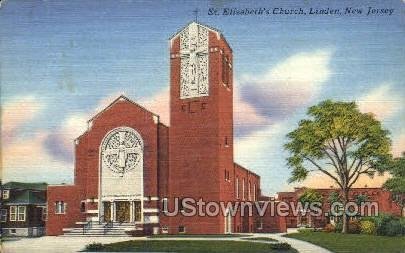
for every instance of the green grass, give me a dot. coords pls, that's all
(194, 246)
(199, 236)
(266, 239)
(347, 243)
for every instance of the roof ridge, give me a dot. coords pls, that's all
(198, 23)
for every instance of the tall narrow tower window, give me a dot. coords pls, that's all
(237, 187)
(243, 189)
(225, 70)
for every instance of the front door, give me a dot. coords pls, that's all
(122, 211)
(107, 211)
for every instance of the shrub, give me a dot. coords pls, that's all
(393, 228)
(338, 227)
(367, 227)
(402, 222)
(280, 246)
(329, 228)
(386, 224)
(382, 223)
(305, 230)
(135, 233)
(354, 227)
(94, 246)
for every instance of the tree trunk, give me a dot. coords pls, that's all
(344, 217)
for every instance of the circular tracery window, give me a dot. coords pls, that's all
(122, 150)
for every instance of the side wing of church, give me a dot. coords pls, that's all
(130, 168)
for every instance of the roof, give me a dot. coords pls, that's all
(26, 197)
(25, 186)
(212, 29)
(121, 98)
(244, 168)
(198, 23)
(330, 189)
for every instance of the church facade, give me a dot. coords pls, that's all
(131, 168)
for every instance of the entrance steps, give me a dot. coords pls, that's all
(96, 229)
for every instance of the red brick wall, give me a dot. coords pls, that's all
(72, 196)
(379, 195)
(121, 113)
(198, 157)
(163, 172)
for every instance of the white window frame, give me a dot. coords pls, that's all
(44, 214)
(13, 212)
(254, 192)
(237, 187)
(249, 191)
(184, 229)
(165, 205)
(260, 227)
(6, 194)
(60, 207)
(3, 215)
(21, 210)
(243, 189)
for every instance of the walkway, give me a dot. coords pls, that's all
(301, 246)
(60, 244)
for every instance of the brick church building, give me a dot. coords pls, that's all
(128, 165)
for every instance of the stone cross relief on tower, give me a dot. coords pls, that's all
(194, 61)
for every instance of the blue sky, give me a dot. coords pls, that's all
(61, 61)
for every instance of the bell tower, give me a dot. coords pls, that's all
(201, 121)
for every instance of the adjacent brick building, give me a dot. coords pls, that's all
(128, 165)
(23, 209)
(381, 197)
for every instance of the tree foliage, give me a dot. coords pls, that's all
(397, 169)
(334, 197)
(361, 198)
(396, 184)
(310, 196)
(339, 141)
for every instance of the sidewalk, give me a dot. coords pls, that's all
(60, 244)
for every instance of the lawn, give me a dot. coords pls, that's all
(192, 246)
(346, 243)
(265, 239)
(199, 236)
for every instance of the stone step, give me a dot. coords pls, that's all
(95, 235)
(98, 230)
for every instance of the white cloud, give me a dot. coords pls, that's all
(289, 85)
(382, 101)
(28, 160)
(17, 112)
(159, 104)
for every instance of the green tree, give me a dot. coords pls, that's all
(310, 196)
(339, 141)
(334, 197)
(361, 198)
(396, 184)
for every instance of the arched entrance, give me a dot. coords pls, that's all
(121, 176)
